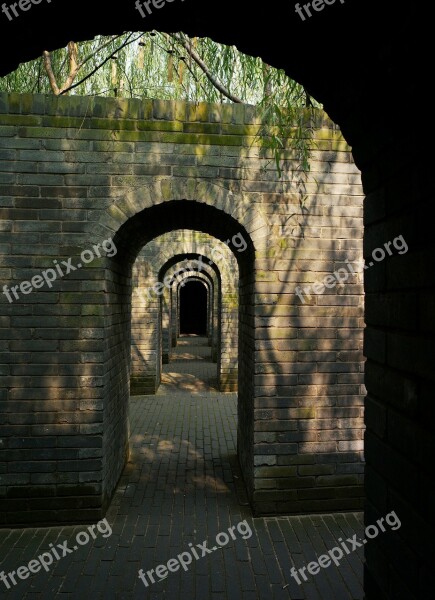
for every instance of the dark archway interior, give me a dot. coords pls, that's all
(193, 308)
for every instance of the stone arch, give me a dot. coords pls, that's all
(214, 293)
(225, 327)
(129, 239)
(147, 311)
(207, 282)
(238, 206)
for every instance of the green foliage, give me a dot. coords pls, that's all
(159, 65)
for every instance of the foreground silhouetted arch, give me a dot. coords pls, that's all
(363, 91)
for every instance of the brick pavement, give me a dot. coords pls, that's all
(182, 485)
(190, 369)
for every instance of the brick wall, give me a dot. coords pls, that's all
(399, 375)
(76, 171)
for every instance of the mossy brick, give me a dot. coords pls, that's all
(4, 102)
(252, 115)
(198, 111)
(61, 145)
(163, 109)
(136, 136)
(275, 449)
(326, 133)
(210, 140)
(65, 121)
(20, 120)
(154, 171)
(40, 179)
(133, 108)
(100, 217)
(159, 125)
(112, 147)
(57, 106)
(8, 155)
(110, 168)
(145, 109)
(61, 168)
(206, 128)
(112, 108)
(215, 113)
(75, 106)
(42, 156)
(85, 180)
(245, 130)
(233, 113)
(15, 103)
(203, 172)
(41, 132)
(32, 104)
(98, 107)
(112, 124)
(93, 311)
(180, 160)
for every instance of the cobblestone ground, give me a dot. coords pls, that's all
(182, 486)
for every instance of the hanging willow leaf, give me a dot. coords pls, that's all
(170, 69)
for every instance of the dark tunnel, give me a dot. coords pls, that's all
(193, 308)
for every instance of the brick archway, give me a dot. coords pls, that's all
(131, 236)
(213, 283)
(225, 323)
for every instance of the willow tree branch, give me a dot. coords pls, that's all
(201, 64)
(88, 58)
(73, 66)
(126, 43)
(50, 73)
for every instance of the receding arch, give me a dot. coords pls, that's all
(130, 237)
(166, 215)
(211, 255)
(194, 320)
(213, 282)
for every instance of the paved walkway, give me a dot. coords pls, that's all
(181, 488)
(190, 369)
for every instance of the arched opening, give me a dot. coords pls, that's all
(132, 236)
(193, 309)
(215, 264)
